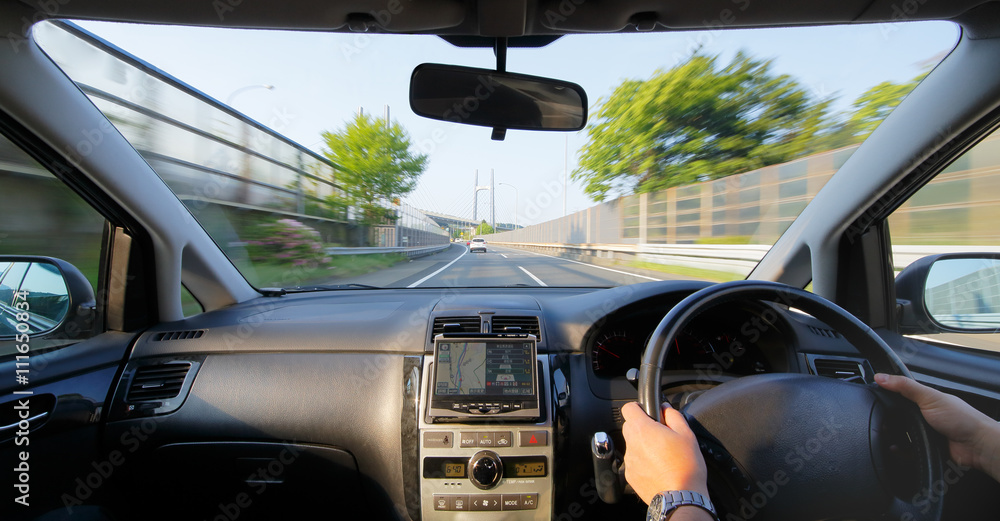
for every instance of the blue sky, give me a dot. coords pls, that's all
(320, 81)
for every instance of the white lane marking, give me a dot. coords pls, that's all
(446, 266)
(536, 279)
(502, 255)
(592, 265)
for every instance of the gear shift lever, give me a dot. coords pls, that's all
(608, 478)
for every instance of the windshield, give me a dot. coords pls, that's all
(298, 152)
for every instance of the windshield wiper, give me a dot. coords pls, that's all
(274, 292)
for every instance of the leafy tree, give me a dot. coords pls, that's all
(869, 110)
(484, 228)
(697, 121)
(375, 165)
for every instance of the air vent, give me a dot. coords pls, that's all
(842, 369)
(178, 335)
(529, 325)
(456, 325)
(157, 382)
(829, 333)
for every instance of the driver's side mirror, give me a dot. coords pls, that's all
(950, 292)
(44, 297)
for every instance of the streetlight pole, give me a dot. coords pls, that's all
(515, 201)
(232, 95)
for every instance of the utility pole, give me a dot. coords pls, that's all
(493, 200)
(475, 197)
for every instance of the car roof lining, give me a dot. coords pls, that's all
(492, 18)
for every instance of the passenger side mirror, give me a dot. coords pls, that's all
(44, 297)
(950, 292)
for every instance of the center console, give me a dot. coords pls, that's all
(485, 450)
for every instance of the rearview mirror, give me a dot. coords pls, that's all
(501, 100)
(956, 292)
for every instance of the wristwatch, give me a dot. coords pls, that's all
(665, 504)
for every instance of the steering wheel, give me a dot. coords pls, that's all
(804, 447)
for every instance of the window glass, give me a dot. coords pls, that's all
(42, 216)
(956, 212)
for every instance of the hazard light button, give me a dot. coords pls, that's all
(534, 438)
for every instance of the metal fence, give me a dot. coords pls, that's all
(961, 206)
(217, 160)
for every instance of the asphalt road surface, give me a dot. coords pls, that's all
(499, 266)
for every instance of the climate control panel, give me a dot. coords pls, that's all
(486, 470)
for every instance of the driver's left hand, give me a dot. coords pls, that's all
(661, 456)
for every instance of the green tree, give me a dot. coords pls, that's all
(697, 121)
(375, 165)
(869, 110)
(484, 228)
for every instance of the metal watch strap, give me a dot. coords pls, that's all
(672, 499)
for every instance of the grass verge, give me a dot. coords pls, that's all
(696, 273)
(340, 267)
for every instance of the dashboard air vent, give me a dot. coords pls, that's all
(178, 335)
(456, 325)
(505, 324)
(829, 333)
(842, 369)
(157, 382)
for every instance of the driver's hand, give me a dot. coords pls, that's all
(661, 456)
(973, 437)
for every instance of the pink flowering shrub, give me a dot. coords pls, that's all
(287, 241)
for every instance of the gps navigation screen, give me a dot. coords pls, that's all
(485, 368)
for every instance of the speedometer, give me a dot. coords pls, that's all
(614, 354)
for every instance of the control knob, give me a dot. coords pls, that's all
(485, 469)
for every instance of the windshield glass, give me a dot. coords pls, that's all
(298, 152)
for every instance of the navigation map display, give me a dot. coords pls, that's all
(485, 368)
(484, 376)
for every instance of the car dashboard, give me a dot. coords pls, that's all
(321, 399)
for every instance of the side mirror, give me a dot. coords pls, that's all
(501, 100)
(44, 297)
(950, 292)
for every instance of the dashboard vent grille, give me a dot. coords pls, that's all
(456, 325)
(829, 333)
(157, 382)
(178, 335)
(847, 370)
(529, 325)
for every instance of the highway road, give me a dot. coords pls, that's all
(499, 266)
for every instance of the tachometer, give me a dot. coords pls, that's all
(615, 353)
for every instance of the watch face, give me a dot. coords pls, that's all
(655, 511)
